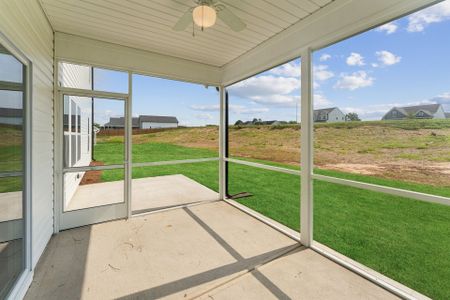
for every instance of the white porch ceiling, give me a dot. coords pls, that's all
(147, 25)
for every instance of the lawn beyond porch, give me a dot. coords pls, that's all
(393, 235)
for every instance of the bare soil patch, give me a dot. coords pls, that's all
(91, 177)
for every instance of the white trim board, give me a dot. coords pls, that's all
(76, 49)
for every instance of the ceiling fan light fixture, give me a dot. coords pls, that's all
(204, 16)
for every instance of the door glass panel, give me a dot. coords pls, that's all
(93, 121)
(110, 81)
(11, 70)
(93, 188)
(11, 131)
(12, 148)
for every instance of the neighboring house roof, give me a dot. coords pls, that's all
(116, 122)
(321, 114)
(11, 112)
(158, 119)
(137, 121)
(428, 109)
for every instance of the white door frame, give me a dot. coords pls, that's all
(90, 215)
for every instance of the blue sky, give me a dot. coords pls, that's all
(404, 62)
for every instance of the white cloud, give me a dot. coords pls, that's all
(434, 14)
(213, 107)
(291, 69)
(387, 58)
(355, 59)
(389, 28)
(267, 89)
(241, 109)
(354, 81)
(279, 100)
(321, 73)
(238, 109)
(204, 116)
(443, 99)
(325, 57)
(320, 101)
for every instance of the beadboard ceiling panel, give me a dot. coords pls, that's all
(147, 25)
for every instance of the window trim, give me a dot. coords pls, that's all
(24, 279)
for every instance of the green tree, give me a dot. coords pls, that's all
(352, 117)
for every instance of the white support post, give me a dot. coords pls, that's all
(222, 143)
(306, 194)
(58, 131)
(128, 139)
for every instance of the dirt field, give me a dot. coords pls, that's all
(371, 148)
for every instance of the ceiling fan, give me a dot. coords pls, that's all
(204, 15)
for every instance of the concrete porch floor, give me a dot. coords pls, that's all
(206, 251)
(148, 194)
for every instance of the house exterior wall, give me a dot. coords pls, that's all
(393, 114)
(336, 116)
(148, 125)
(25, 25)
(77, 144)
(440, 114)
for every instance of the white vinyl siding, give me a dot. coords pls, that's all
(25, 25)
(77, 143)
(335, 116)
(148, 125)
(440, 114)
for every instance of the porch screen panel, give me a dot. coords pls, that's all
(264, 129)
(173, 120)
(381, 117)
(166, 186)
(390, 234)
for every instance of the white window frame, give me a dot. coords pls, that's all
(24, 279)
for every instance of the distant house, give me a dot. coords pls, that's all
(429, 111)
(447, 115)
(11, 116)
(329, 115)
(143, 122)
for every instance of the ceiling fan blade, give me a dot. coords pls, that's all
(230, 19)
(184, 21)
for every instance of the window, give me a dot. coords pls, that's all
(13, 156)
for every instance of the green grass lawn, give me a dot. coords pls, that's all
(405, 239)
